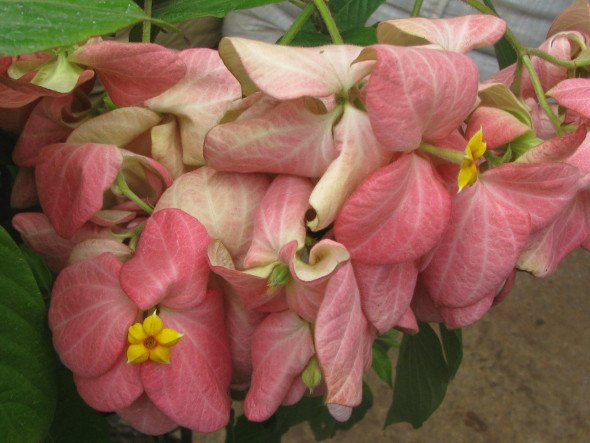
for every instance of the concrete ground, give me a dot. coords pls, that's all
(525, 375)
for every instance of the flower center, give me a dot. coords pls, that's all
(150, 343)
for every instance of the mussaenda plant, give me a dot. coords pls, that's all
(252, 223)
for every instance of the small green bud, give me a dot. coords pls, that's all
(312, 375)
(279, 276)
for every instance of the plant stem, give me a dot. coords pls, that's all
(526, 61)
(521, 52)
(297, 25)
(127, 192)
(416, 9)
(446, 154)
(329, 21)
(146, 36)
(570, 64)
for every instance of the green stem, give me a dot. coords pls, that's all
(146, 36)
(416, 9)
(521, 52)
(297, 25)
(570, 64)
(526, 61)
(446, 154)
(329, 21)
(127, 192)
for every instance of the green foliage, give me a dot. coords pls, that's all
(422, 375)
(41, 272)
(175, 11)
(33, 25)
(505, 53)
(350, 14)
(27, 362)
(75, 421)
(310, 409)
(382, 364)
(452, 341)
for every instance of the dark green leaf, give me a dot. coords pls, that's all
(421, 378)
(360, 36)
(505, 53)
(382, 364)
(390, 339)
(353, 13)
(33, 25)
(452, 341)
(75, 421)
(175, 11)
(27, 361)
(41, 272)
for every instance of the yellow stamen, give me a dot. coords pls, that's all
(474, 150)
(150, 340)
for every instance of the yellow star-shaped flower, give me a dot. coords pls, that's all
(474, 150)
(150, 340)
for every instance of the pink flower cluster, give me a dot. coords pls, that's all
(282, 206)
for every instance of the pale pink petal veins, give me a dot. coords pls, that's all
(291, 72)
(478, 250)
(89, 316)
(193, 388)
(386, 292)
(170, 263)
(241, 323)
(573, 94)
(44, 126)
(225, 203)
(281, 347)
(144, 416)
(39, 235)
(287, 139)
(396, 215)
(547, 247)
(459, 34)
(340, 331)
(499, 127)
(117, 127)
(71, 180)
(131, 72)
(359, 155)
(540, 189)
(555, 149)
(416, 93)
(115, 389)
(199, 100)
(280, 219)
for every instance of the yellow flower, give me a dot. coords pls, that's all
(475, 148)
(151, 340)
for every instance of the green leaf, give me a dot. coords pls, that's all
(382, 364)
(175, 11)
(360, 36)
(27, 361)
(41, 272)
(421, 378)
(33, 25)
(353, 13)
(452, 341)
(505, 53)
(75, 421)
(390, 339)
